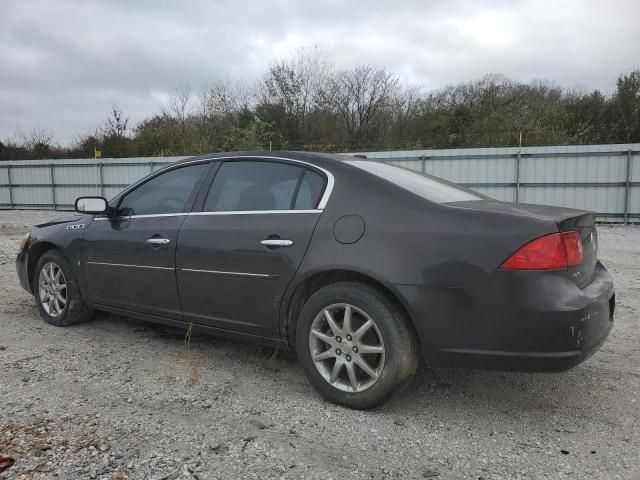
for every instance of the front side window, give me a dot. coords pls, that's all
(259, 186)
(165, 193)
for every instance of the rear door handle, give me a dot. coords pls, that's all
(159, 241)
(273, 242)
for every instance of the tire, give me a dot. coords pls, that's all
(385, 326)
(59, 301)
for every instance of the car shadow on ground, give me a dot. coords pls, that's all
(443, 390)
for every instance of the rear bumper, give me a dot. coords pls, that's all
(520, 361)
(526, 321)
(22, 262)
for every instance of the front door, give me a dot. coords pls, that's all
(129, 259)
(236, 257)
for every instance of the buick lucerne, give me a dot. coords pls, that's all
(359, 266)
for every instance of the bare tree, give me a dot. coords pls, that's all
(358, 95)
(117, 124)
(223, 98)
(86, 143)
(179, 108)
(404, 105)
(179, 103)
(35, 139)
(38, 142)
(295, 84)
(223, 106)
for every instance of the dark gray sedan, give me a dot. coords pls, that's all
(358, 265)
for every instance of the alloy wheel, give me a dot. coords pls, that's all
(347, 347)
(52, 289)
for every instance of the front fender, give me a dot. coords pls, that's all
(64, 235)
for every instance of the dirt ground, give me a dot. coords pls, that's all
(119, 399)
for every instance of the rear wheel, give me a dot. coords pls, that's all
(56, 291)
(354, 344)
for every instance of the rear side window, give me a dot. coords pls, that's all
(258, 186)
(310, 191)
(432, 188)
(165, 193)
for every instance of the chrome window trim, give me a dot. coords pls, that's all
(150, 267)
(254, 212)
(235, 274)
(321, 205)
(143, 216)
(187, 214)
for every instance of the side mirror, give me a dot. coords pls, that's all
(93, 205)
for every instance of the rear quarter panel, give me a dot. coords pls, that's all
(410, 241)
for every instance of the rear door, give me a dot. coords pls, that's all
(237, 255)
(129, 259)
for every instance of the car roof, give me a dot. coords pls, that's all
(322, 159)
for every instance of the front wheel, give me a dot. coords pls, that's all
(57, 293)
(354, 344)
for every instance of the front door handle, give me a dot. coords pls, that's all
(159, 241)
(276, 242)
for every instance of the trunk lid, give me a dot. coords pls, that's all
(566, 219)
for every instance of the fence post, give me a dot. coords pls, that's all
(517, 193)
(10, 186)
(53, 185)
(101, 179)
(627, 187)
(424, 163)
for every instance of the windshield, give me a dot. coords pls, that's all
(432, 188)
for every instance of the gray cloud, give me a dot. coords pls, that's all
(64, 63)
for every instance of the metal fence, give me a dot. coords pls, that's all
(55, 184)
(601, 178)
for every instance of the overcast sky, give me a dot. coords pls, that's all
(64, 63)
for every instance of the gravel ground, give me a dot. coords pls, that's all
(120, 399)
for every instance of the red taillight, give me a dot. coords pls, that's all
(551, 252)
(573, 244)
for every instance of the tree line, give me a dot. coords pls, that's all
(304, 102)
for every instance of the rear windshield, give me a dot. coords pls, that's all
(432, 188)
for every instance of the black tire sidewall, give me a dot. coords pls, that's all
(74, 309)
(390, 323)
